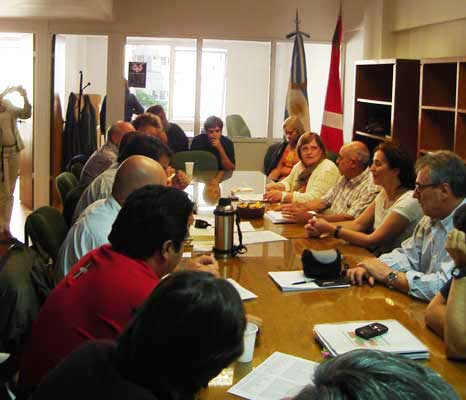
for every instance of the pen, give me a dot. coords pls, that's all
(301, 282)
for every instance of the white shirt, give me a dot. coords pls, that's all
(90, 231)
(100, 188)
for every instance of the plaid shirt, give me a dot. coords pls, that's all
(351, 196)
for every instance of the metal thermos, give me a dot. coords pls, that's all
(224, 228)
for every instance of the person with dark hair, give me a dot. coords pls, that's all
(100, 294)
(104, 157)
(309, 179)
(349, 197)
(214, 142)
(421, 266)
(446, 313)
(177, 139)
(392, 216)
(188, 330)
(373, 374)
(151, 125)
(137, 144)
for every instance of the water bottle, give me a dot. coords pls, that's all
(224, 227)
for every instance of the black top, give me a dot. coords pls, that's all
(177, 139)
(201, 142)
(446, 289)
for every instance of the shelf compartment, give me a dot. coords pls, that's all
(373, 118)
(460, 139)
(462, 87)
(374, 82)
(436, 130)
(439, 84)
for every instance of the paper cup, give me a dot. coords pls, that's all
(249, 342)
(189, 168)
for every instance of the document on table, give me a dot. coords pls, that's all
(280, 376)
(290, 281)
(244, 293)
(260, 237)
(250, 197)
(277, 217)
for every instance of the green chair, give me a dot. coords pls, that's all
(203, 160)
(332, 156)
(64, 183)
(236, 127)
(47, 230)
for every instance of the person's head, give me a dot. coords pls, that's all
(311, 149)
(372, 374)
(152, 226)
(160, 112)
(188, 330)
(134, 173)
(440, 183)
(213, 127)
(118, 130)
(391, 164)
(149, 124)
(293, 128)
(140, 144)
(353, 159)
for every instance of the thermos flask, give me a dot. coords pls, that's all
(224, 227)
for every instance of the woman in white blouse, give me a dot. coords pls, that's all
(309, 179)
(394, 213)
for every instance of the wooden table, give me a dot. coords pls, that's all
(288, 318)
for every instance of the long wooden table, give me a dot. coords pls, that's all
(288, 318)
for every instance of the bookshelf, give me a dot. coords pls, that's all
(442, 106)
(387, 103)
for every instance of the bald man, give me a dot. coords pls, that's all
(95, 223)
(102, 158)
(350, 196)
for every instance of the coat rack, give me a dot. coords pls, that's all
(297, 31)
(81, 91)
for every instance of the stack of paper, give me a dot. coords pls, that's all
(279, 377)
(340, 338)
(244, 293)
(277, 217)
(290, 281)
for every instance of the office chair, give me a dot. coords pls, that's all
(203, 160)
(236, 127)
(64, 183)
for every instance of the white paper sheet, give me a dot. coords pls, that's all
(280, 376)
(277, 217)
(260, 237)
(250, 197)
(244, 293)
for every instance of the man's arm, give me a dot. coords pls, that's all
(436, 313)
(455, 327)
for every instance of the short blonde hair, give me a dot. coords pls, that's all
(293, 123)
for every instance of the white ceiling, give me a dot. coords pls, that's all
(82, 9)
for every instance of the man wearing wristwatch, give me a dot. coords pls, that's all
(421, 266)
(446, 313)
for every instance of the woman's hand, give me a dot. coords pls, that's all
(274, 196)
(320, 226)
(274, 186)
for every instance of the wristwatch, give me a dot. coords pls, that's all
(458, 272)
(391, 278)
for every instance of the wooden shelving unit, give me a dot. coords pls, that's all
(387, 103)
(442, 106)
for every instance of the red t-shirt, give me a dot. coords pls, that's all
(96, 304)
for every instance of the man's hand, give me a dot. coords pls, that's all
(357, 275)
(180, 180)
(273, 196)
(295, 212)
(215, 142)
(375, 268)
(456, 247)
(203, 263)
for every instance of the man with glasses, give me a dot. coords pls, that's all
(214, 142)
(421, 266)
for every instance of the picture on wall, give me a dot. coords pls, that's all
(137, 74)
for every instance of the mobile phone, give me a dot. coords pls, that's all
(332, 282)
(371, 330)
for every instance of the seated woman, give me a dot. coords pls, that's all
(188, 330)
(310, 178)
(285, 158)
(394, 213)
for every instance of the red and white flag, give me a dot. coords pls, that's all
(332, 121)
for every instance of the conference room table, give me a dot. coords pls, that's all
(288, 317)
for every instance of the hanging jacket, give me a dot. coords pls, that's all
(87, 128)
(70, 132)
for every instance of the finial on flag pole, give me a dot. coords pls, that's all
(297, 31)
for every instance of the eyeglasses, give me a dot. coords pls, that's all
(418, 187)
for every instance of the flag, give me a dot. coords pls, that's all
(296, 98)
(332, 121)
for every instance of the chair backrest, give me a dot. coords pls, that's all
(332, 156)
(65, 182)
(236, 127)
(269, 155)
(203, 160)
(47, 230)
(70, 203)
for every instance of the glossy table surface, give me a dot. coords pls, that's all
(288, 318)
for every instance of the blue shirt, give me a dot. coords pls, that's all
(423, 257)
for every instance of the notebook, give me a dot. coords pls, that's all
(294, 281)
(277, 217)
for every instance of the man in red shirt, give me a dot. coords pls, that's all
(101, 292)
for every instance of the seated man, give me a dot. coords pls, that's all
(102, 158)
(151, 125)
(446, 313)
(350, 196)
(421, 266)
(103, 290)
(214, 142)
(139, 144)
(95, 223)
(177, 139)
